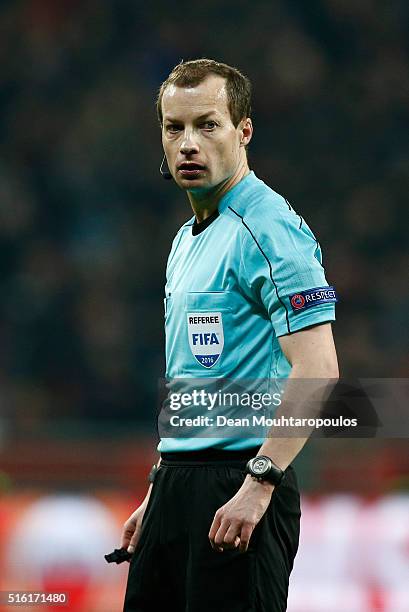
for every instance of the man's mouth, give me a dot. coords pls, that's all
(190, 169)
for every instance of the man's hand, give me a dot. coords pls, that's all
(132, 528)
(234, 522)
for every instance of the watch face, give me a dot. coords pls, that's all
(260, 465)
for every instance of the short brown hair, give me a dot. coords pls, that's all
(193, 72)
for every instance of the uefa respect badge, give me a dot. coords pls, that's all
(312, 297)
(206, 337)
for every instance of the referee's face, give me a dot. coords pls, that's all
(203, 148)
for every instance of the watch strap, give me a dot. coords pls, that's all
(274, 475)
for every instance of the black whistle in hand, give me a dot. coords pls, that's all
(118, 556)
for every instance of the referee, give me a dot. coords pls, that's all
(246, 298)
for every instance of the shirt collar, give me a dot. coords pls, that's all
(237, 190)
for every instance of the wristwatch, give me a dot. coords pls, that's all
(262, 468)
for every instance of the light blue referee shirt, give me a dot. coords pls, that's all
(252, 275)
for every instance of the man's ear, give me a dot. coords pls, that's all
(246, 131)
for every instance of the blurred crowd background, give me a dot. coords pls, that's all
(86, 221)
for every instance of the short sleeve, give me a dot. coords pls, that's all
(283, 272)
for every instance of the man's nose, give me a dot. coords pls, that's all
(188, 145)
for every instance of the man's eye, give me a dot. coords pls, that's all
(173, 129)
(209, 125)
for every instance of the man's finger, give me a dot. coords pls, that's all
(221, 532)
(127, 534)
(245, 536)
(214, 527)
(232, 535)
(134, 540)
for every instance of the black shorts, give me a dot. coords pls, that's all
(175, 569)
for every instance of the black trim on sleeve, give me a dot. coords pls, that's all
(315, 252)
(269, 266)
(290, 208)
